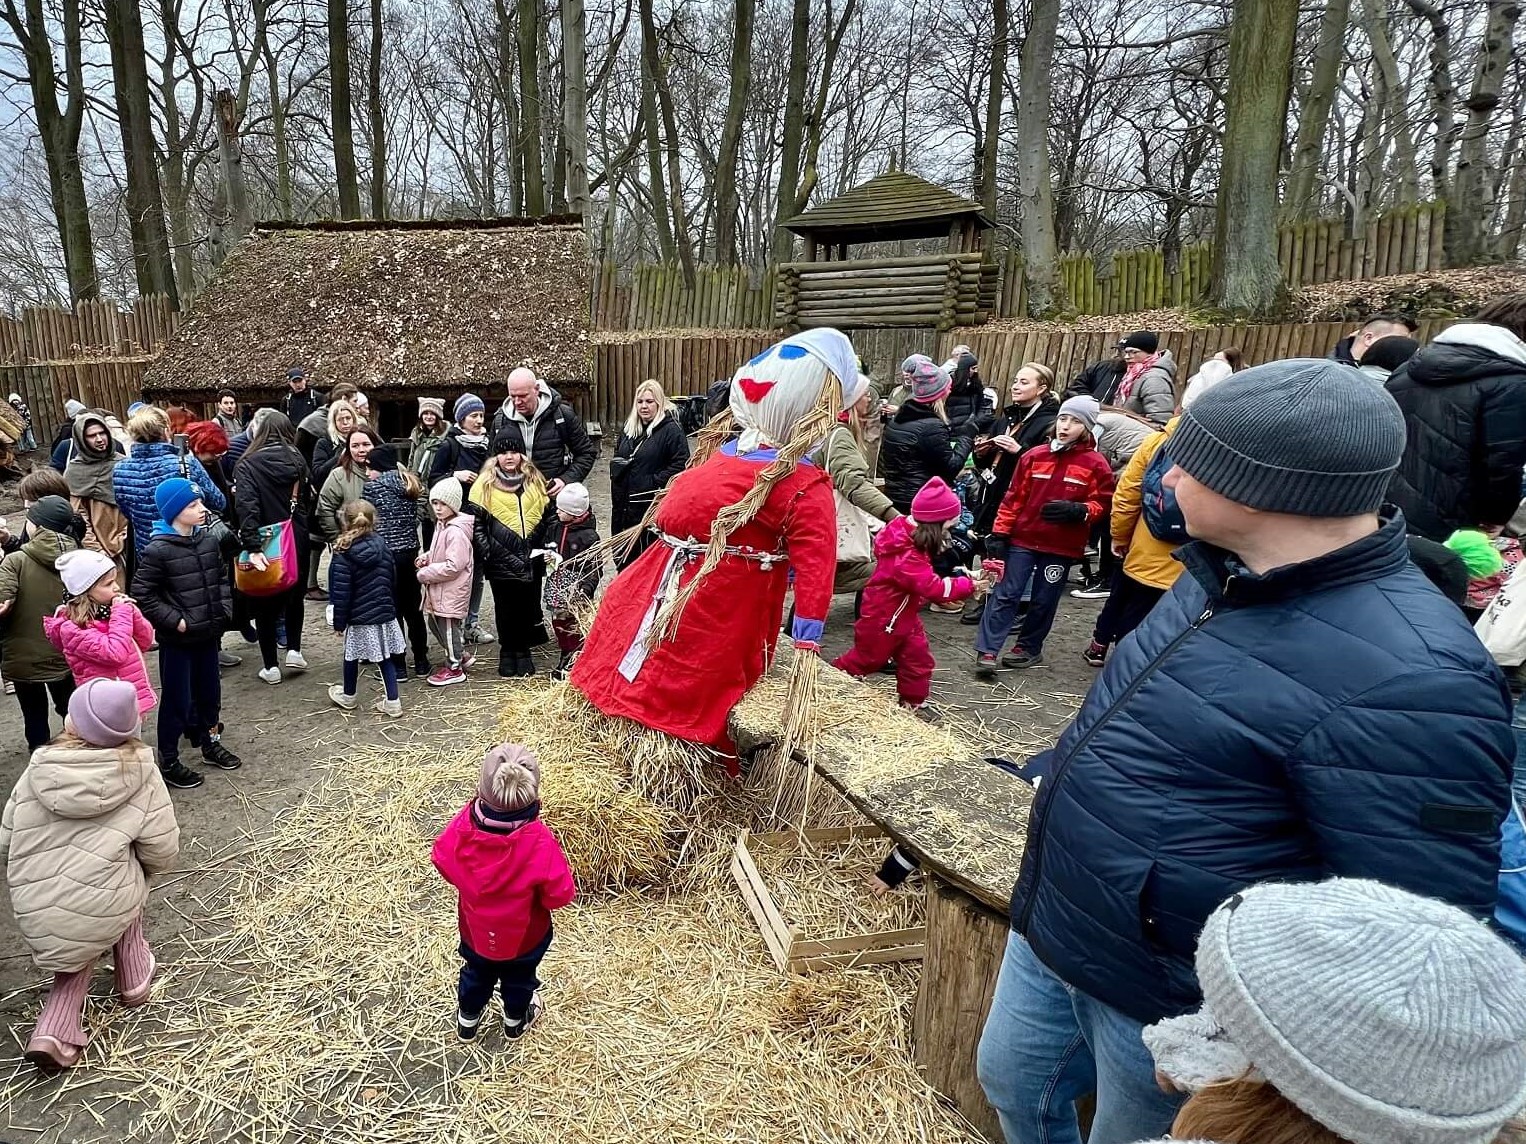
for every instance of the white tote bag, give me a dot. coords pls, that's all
(1502, 627)
(855, 531)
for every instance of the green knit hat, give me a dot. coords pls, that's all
(1477, 552)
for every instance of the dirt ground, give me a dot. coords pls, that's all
(281, 731)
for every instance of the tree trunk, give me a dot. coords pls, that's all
(1246, 274)
(346, 179)
(794, 128)
(996, 85)
(145, 199)
(1472, 206)
(661, 216)
(60, 132)
(1304, 189)
(378, 122)
(1439, 91)
(1508, 245)
(528, 21)
(575, 105)
(231, 162)
(504, 81)
(658, 70)
(818, 117)
(727, 205)
(1391, 96)
(1035, 187)
(278, 140)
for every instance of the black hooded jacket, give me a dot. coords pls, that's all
(1464, 404)
(918, 445)
(1029, 427)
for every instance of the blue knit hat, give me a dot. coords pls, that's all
(467, 404)
(172, 496)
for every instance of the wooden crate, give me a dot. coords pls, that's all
(792, 951)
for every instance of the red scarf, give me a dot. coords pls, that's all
(1132, 374)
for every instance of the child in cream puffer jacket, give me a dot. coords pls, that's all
(87, 824)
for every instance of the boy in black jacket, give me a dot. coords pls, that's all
(181, 587)
(570, 585)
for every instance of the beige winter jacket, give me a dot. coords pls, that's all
(82, 831)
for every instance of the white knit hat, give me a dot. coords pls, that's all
(573, 499)
(448, 493)
(1384, 1016)
(80, 568)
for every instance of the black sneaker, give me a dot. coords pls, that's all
(1017, 657)
(467, 1026)
(974, 608)
(180, 776)
(563, 665)
(220, 757)
(422, 668)
(516, 1029)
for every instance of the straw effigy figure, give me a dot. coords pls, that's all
(683, 632)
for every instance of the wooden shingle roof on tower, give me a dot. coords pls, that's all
(430, 305)
(890, 206)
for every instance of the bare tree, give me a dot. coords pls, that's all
(575, 104)
(377, 116)
(1035, 186)
(1472, 207)
(726, 204)
(1303, 190)
(346, 177)
(1246, 275)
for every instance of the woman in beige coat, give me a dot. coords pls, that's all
(89, 821)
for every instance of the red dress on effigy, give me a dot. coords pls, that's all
(686, 686)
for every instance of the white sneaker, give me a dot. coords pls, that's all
(295, 662)
(340, 699)
(270, 674)
(391, 708)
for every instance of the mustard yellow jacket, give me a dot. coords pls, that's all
(1149, 560)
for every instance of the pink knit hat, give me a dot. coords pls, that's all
(935, 502)
(510, 778)
(104, 712)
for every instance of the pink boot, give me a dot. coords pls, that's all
(60, 1036)
(135, 965)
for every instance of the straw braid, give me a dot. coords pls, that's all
(809, 431)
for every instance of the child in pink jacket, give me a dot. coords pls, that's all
(101, 632)
(510, 873)
(889, 626)
(446, 573)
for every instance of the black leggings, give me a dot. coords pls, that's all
(269, 611)
(33, 698)
(516, 607)
(1127, 605)
(409, 596)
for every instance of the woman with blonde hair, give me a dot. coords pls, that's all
(1347, 1012)
(651, 451)
(512, 512)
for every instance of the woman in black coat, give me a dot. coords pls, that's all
(652, 450)
(1026, 422)
(270, 485)
(920, 444)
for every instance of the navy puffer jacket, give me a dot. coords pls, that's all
(1331, 718)
(361, 583)
(147, 466)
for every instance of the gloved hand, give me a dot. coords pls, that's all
(996, 569)
(1066, 511)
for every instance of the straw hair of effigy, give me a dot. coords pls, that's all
(321, 1006)
(819, 887)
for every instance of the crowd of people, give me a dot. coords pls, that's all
(1263, 894)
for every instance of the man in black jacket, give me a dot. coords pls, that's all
(1100, 379)
(546, 430)
(1464, 404)
(299, 400)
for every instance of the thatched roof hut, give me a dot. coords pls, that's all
(399, 309)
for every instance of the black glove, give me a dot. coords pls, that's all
(1068, 511)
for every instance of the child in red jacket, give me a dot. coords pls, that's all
(510, 873)
(889, 626)
(1058, 491)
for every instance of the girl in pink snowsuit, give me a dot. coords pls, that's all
(889, 626)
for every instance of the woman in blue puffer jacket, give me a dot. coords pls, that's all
(151, 462)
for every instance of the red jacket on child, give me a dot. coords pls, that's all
(904, 579)
(1075, 473)
(508, 882)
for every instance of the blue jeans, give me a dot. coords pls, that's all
(1047, 575)
(1518, 725)
(1045, 1044)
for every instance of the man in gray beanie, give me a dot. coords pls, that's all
(1302, 704)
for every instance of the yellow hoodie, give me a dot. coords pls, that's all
(1148, 560)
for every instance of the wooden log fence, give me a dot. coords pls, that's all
(1406, 240)
(655, 297)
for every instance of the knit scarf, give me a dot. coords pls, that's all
(503, 821)
(1132, 375)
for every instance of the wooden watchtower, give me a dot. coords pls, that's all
(828, 288)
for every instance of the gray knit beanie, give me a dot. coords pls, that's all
(1306, 436)
(1382, 1015)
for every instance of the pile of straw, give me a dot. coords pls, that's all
(822, 888)
(323, 1010)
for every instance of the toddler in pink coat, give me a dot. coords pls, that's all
(445, 571)
(510, 873)
(101, 632)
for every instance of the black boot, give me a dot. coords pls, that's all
(178, 775)
(974, 608)
(526, 664)
(563, 665)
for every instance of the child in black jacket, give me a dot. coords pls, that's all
(571, 583)
(363, 595)
(181, 587)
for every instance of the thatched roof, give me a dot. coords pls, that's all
(894, 205)
(405, 306)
